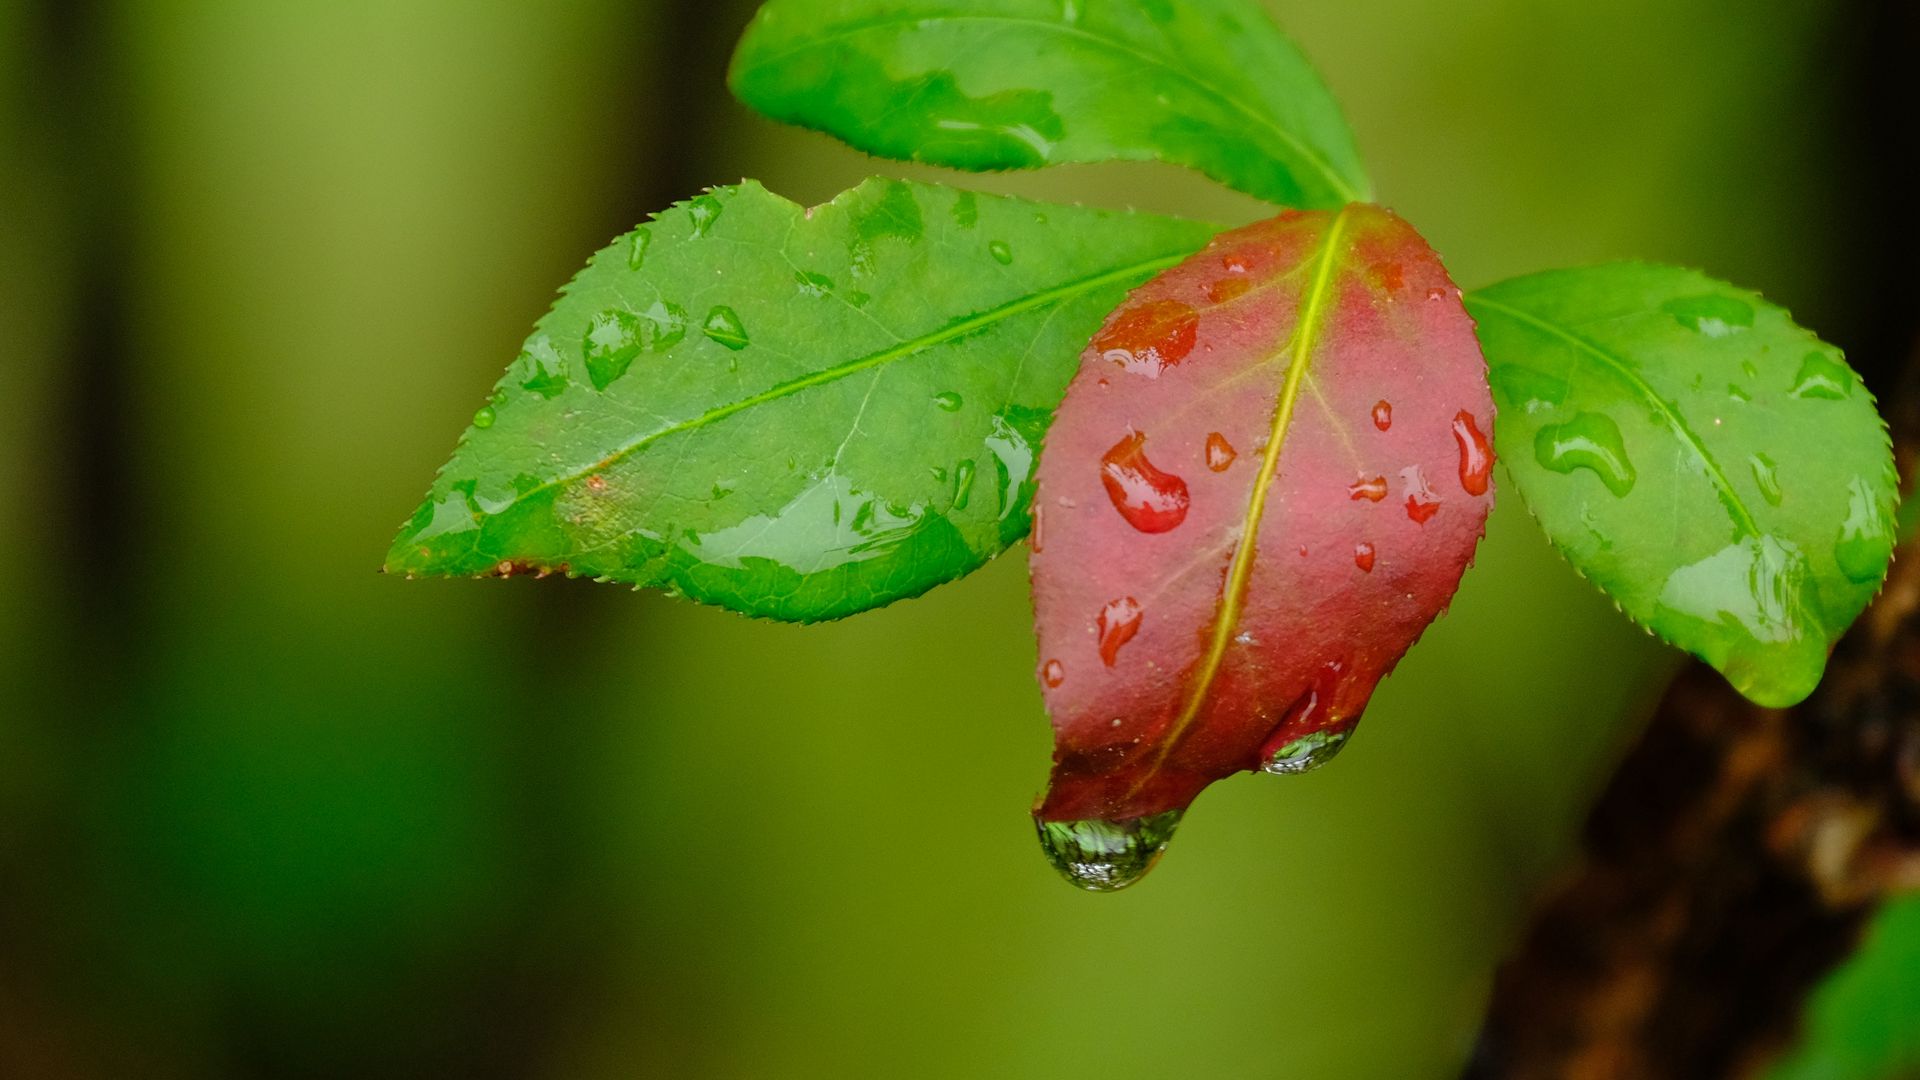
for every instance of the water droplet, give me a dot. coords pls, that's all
(1148, 338)
(1103, 856)
(812, 284)
(1117, 623)
(1476, 457)
(1711, 315)
(939, 473)
(723, 327)
(704, 210)
(1053, 673)
(1151, 501)
(1228, 289)
(1372, 490)
(483, 418)
(1589, 441)
(1363, 556)
(1001, 253)
(1764, 477)
(1751, 583)
(1822, 377)
(948, 400)
(1306, 753)
(1738, 394)
(1220, 452)
(1382, 415)
(1436, 293)
(962, 484)
(1035, 539)
(615, 337)
(1422, 503)
(637, 245)
(1866, 538)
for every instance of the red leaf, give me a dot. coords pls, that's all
(1212, 609)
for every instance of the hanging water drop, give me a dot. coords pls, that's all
(1104, 856)
(1306, 753)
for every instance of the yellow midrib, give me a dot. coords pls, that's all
(1240, 572)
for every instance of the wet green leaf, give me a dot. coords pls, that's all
(1718, 471)
(1012, 84)
(793, 413)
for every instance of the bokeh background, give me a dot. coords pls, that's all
(266, 813)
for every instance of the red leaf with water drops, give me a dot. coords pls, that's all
(1265, 481)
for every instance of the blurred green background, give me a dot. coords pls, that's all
(264, 812)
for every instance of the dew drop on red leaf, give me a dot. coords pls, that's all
(1422, 504)
(1371, 490)
(1220, 452)
(1119, 621)
(1363, 556)
(1476, 457)
(1151, 501)
(1149, 338)
(1231, 288)
(1382, 415)
(1054, 673)
(1033, 539)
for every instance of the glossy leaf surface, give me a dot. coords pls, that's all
(793, 413)
(1265, 481)
(1717, 470)
(1011, 84)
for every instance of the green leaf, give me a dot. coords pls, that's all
(1864, 1021)
(1717, 470)
(793, 413)
(1016, 84)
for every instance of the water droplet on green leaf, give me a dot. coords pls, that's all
(1589, 441)
(948, 400)
(1001, 253)
(723, 326)
(1823, 378)
(1711, 315)
(1866, 537)
(704, 211)
(1764, 477)
(637, 245)
(963, 484)
(483, 418)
